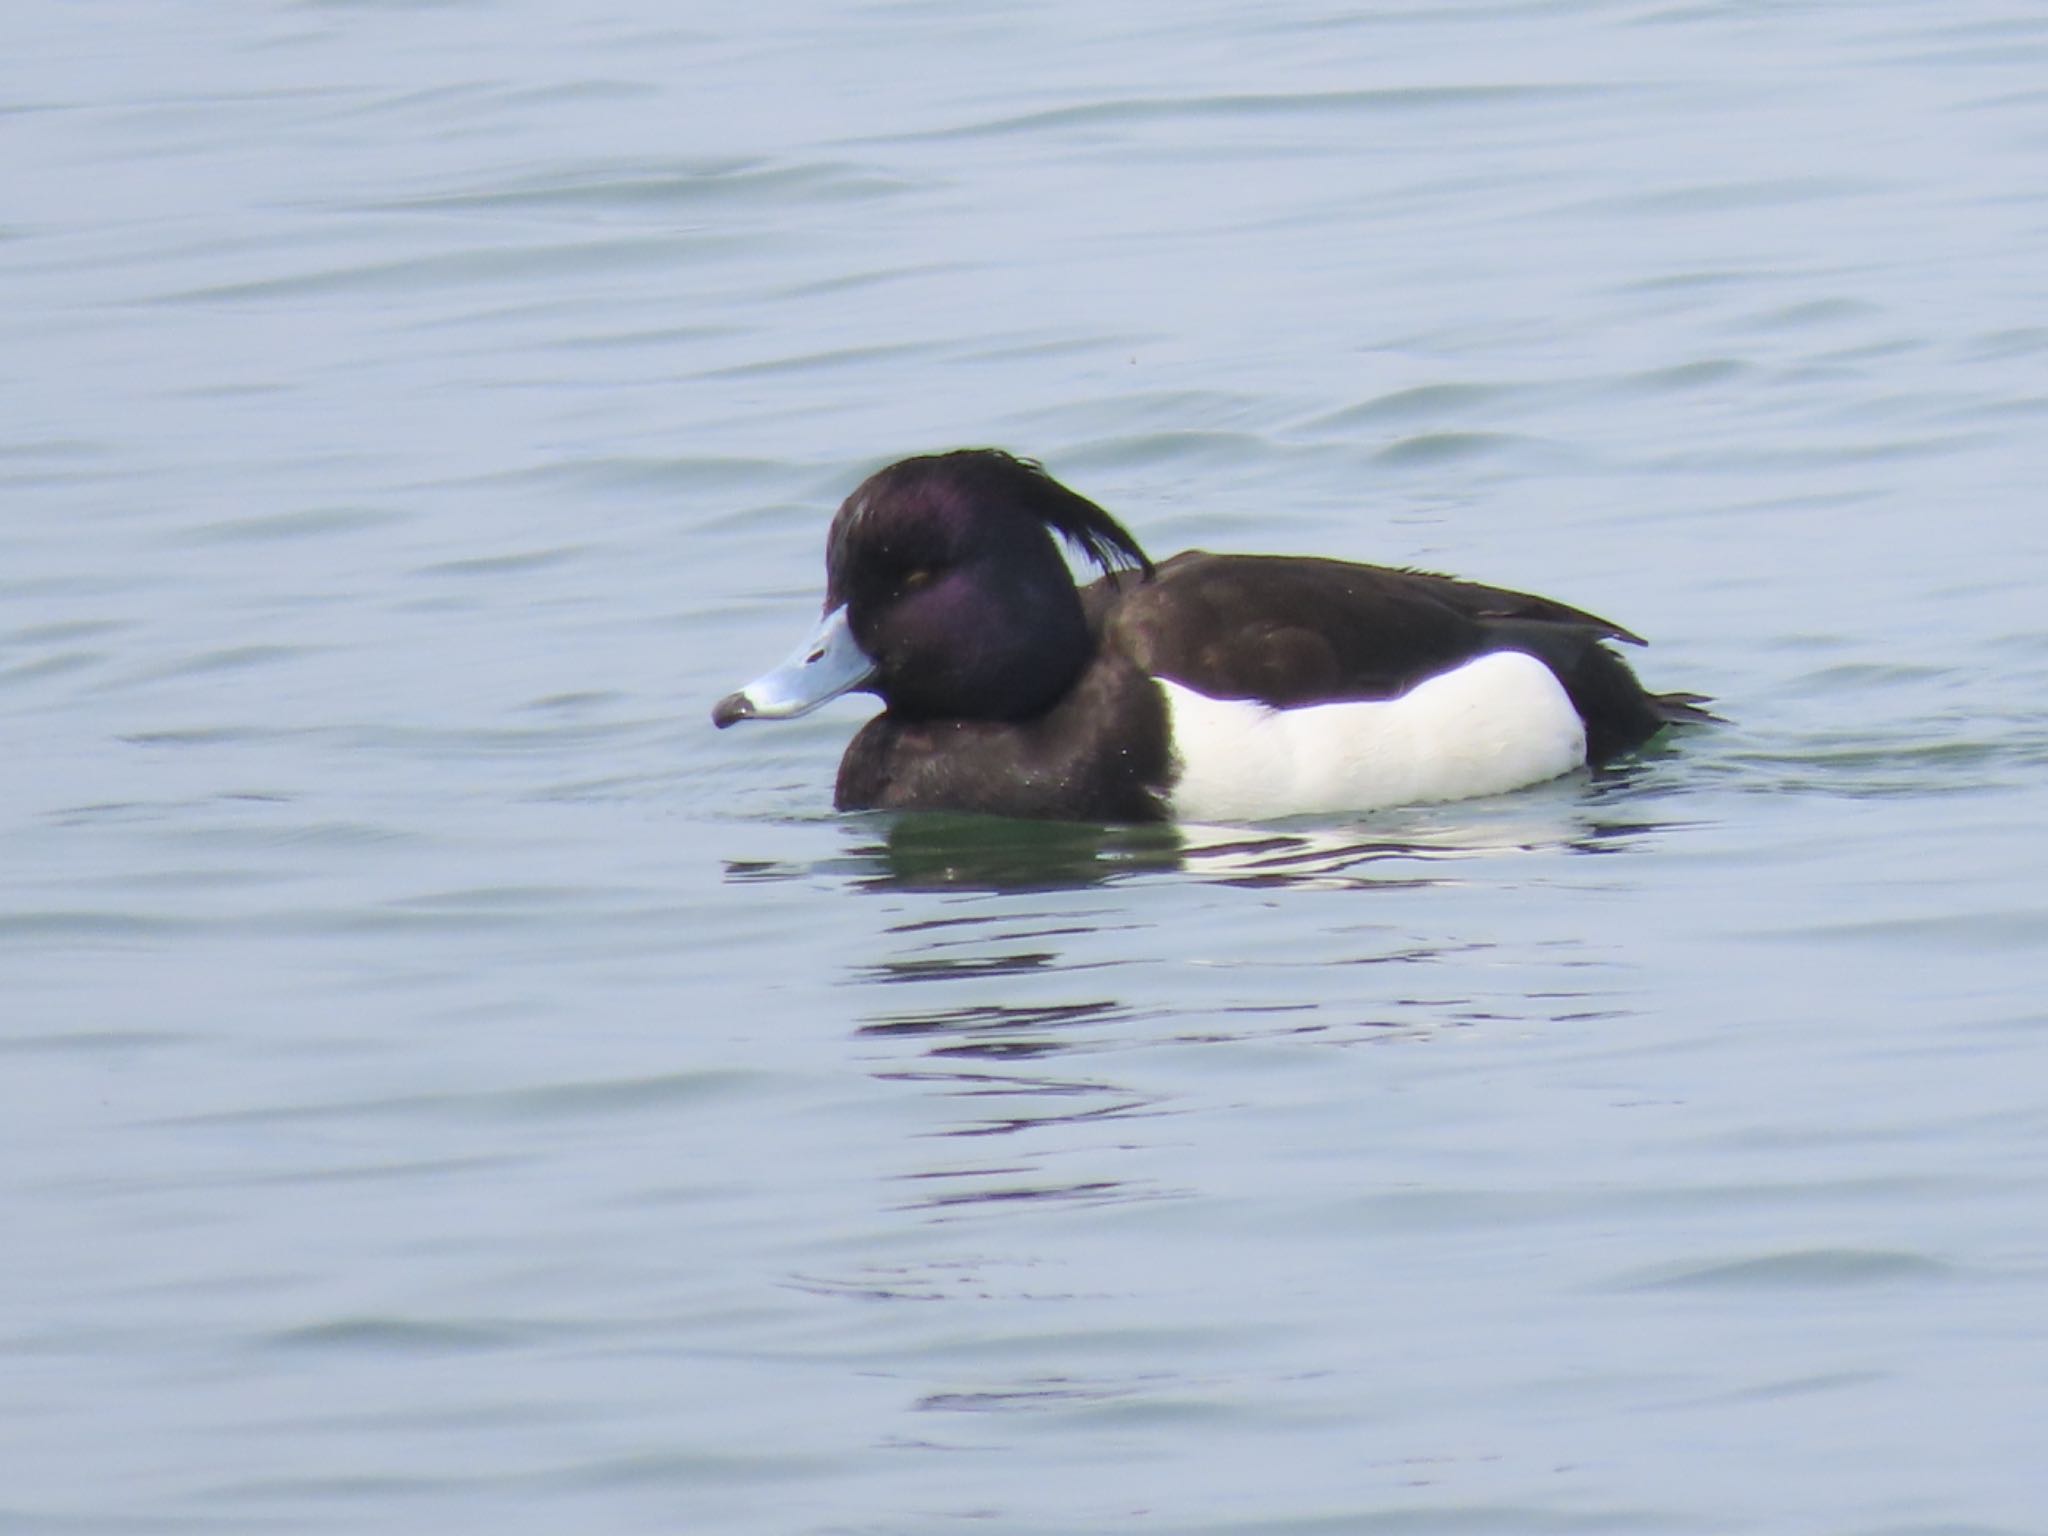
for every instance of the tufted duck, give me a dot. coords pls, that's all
(1205, 688)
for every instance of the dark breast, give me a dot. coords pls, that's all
(1100, 754)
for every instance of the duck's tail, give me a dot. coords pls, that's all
(1685, 709)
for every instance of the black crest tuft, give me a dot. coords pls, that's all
(1097, 535)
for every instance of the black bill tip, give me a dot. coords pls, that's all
(731, 709)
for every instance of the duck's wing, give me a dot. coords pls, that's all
(1289, 631)
(1487, 604)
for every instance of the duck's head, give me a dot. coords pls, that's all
(946, 595)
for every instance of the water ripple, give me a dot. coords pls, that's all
(1802, 1269)
(1255, 107)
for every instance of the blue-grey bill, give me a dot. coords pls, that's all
(828, 664)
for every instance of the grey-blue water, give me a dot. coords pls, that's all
(445, 1086)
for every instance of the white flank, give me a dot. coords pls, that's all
(1496, 723)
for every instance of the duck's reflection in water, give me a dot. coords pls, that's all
(984, 1060)
(1079, 1018)
(1036, 953)
(1395, 849)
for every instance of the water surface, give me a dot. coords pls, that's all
(448, 1086)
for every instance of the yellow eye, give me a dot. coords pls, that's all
(912, 580)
